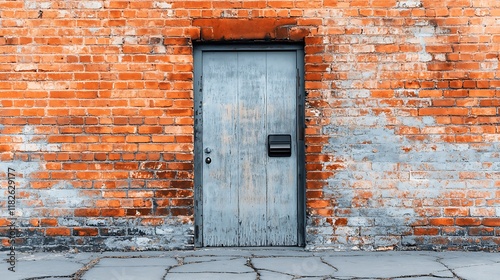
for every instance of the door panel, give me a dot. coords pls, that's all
(252, 148)
(220, 177)
(282, 172)
(248, 198)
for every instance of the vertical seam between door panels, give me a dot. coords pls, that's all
(238, 185)
(295, 93)
(266, 157)
(298, 132)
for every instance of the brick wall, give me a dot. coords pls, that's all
(403, 125)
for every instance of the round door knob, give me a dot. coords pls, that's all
(208, 150)
(208, 160)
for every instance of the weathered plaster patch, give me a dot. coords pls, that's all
(22, 171)
(171, 235)
(392, 171)
(423, 31)
(32, 142)
(64, 195)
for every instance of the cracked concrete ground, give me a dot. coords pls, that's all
(254, 263)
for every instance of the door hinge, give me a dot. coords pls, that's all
(196, 232)
(201, 83)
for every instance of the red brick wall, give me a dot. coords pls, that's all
(96, 117)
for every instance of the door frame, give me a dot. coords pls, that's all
(198, 130)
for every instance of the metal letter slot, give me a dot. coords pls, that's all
(279, 145)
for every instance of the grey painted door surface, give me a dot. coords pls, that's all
(249, 198)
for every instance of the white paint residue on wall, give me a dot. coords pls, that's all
(90, 5)
(421, 34)
(32, 142)
(33, 4)
(162, 5)
(172, 234)
(26, 67)
(409, 4)
(422, 31)
(63, 195)
(22, 171)
(229, 14)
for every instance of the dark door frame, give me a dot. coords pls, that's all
(198, 131)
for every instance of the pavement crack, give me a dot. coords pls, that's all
(279, 272)
(180, 262)
(131, 257)
(250, 264)
(323, 261)
(213, 260)
(419, 275)
(46, 277)
(270, 270)
(389, 278)
(440, 260)
(78, 275)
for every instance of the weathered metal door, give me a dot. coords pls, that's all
(245, 197)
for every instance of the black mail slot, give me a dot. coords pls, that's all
(279, 145)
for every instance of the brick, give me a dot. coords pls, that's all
(152, 222)
(318, 203)
(431, 93)
(481, 231)
(482, 93)
(443, 111)
(5, 222)
(453, 211)
(456, 93)
(441, 221)
(439, 48)
(48, 222)
(110, 212)
(85, 231)
(491, 222)
(467, 221)
(60, 231)
(382, 93)
(453, 231)
(87, 212)
(426, 231)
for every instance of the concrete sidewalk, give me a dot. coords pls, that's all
(247, 263)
